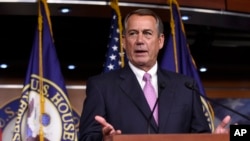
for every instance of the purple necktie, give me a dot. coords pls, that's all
(150, 95)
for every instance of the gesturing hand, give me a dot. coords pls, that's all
(221, 128)
(107, 129)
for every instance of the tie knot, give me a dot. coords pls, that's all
(146, 77)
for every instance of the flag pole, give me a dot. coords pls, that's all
(40, 22)
(172, 25)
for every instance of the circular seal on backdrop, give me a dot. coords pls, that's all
(57, 114)
(8, 119)
(50, 120)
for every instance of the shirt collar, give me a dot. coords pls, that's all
(139, 73)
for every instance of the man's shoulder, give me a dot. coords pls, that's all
(172, 74)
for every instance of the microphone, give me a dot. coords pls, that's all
(161, 86)
(191, 86)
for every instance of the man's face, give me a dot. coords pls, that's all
(142, 41)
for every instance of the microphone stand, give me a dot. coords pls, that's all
(151, 114)
(190, 86)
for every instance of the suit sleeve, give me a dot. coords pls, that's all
(89, 129)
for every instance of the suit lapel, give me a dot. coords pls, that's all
(166, 94)
(132, 89)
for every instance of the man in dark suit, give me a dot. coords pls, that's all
(115, 101)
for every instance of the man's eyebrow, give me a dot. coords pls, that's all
(132, 30)
(147, 30)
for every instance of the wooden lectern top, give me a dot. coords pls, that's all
(171, 137)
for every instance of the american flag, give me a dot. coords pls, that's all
(115, 55)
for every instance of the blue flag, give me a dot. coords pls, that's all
(177, 56)
(115, 56)
(44, 112)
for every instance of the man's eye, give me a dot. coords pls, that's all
(132, 33)
(148, 33)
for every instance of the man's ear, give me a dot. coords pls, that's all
(161, 40)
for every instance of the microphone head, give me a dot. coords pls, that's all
(162, 85)
(189, 85)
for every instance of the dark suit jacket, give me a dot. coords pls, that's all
(118, 97)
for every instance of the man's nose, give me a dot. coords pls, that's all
(139, 38)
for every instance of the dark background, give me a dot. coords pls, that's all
(220, 42)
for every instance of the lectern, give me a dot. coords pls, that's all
(171, 137)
